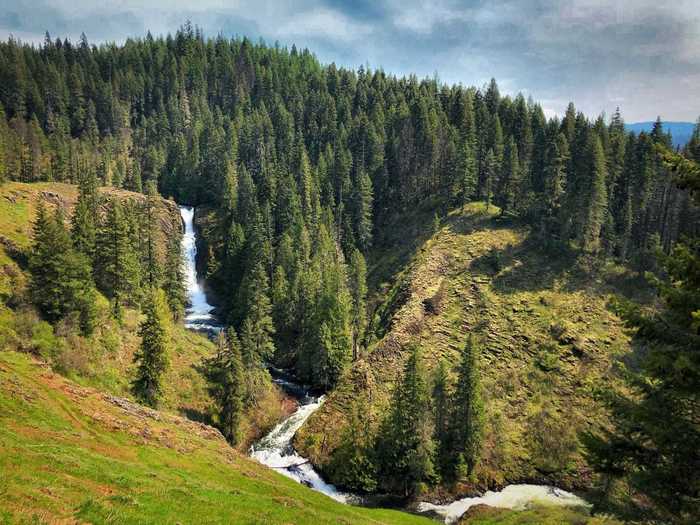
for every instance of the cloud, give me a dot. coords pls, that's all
(639, 54)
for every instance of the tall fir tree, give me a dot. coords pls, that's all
(405, 446)
(468, 416)
(226, 384)
(153, 357)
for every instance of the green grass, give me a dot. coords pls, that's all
(68, 454)
(548, 343)
(535, 516)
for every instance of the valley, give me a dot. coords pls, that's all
(240, 284)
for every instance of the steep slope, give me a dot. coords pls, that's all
(104, 360)
(71, 454)
(548, 341)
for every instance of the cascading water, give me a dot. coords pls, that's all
(199, 314)
(516, 497)
(275, 449)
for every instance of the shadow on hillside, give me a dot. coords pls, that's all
(194, 414)
(531, 267)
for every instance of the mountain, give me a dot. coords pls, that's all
(680, 131)
(547, 343)
(449, 266)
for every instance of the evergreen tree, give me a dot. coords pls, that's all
(83, 222)
(173, 277)
(61, 281)
(442, 401)
(116, 263)
(597, 204)
(510, 177)
(358, 290)
(226, 384)
(468, 413)
(490, 175)
(655, 441)
(258, 309)
(153, 356)
(405, 446)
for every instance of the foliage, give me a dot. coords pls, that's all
(154, 355)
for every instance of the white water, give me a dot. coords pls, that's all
(276, 451)
(516, 497)
(199, 312)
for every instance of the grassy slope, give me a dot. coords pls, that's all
(105, 360)
(72, 454)
(484, 515)
(548, 341)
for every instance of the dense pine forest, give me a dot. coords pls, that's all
(300, 168)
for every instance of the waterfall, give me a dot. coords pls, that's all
(276, 450)
(199, 314)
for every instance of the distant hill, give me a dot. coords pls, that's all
(680, 131)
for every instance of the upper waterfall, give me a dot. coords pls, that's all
(199, 314)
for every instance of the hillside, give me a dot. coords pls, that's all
(71, 454)
(548, 341)
(105, 359)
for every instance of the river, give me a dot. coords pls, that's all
(276, 450)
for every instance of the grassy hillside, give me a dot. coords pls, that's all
(104, 360)
(71, 454)
(548, 342)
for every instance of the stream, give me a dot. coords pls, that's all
(276, 451)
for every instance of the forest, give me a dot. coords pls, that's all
(301, 167)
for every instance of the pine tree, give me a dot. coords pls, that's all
(151, 267)
(61, 281)
(173, 277)
(258, 309)
(358, 290)
(468, 413)
(405, 446)
(153, 356)
(490, 175)
(442, 401)
(83, 222)
(655, 441)
(116, 263)
(226, 384)
(362, 211)
(510, 177)
(596, 202)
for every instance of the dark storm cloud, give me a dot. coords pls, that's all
(633, 53)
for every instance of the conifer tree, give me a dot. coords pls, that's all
(173, 277)
(61, 281)
(442, 401)
(405, 445)
(358, 290)
(226, 384)
(258, 309)
(153, 356)
(510, 176)
(152, 269)
(83, 222)
(116, 263)
(468, 413)
(596, 202)
(490, 174)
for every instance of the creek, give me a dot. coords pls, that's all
(276, 450)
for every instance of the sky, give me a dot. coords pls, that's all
(640, 55)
